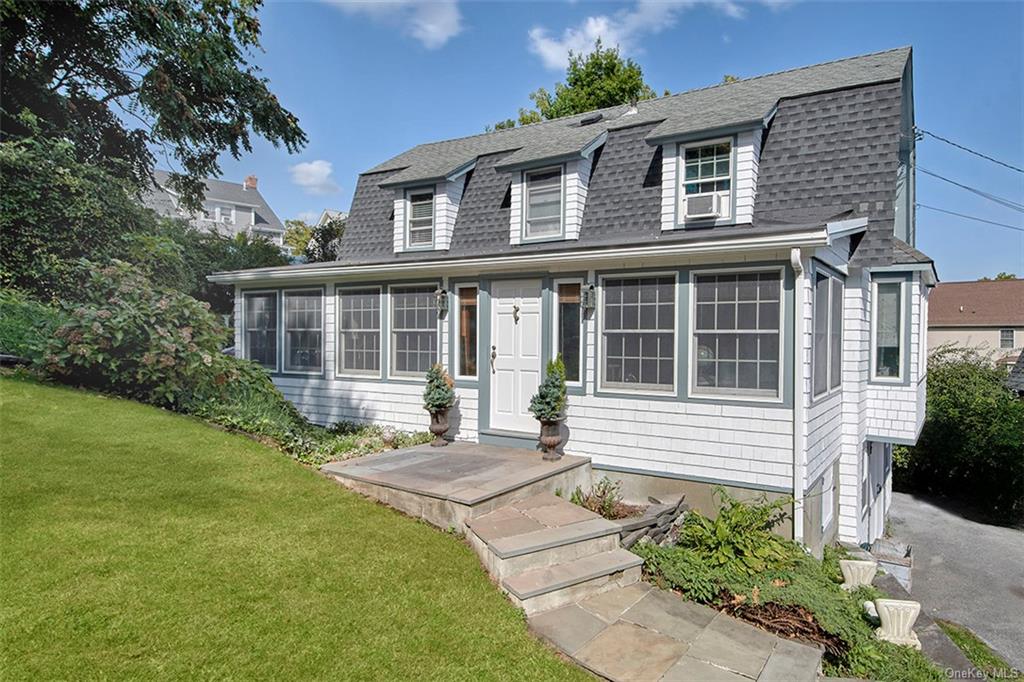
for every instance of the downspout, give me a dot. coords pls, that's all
(798, 395)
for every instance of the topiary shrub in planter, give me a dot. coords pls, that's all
(548, 406)
(438, 397)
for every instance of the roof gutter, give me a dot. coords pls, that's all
(804, 238)
(799, 435)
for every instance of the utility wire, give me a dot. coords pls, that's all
(1008, 203)
(969, 150)
(970, 217)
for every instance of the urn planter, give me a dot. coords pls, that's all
(898, 617)
(857, 573)
(438, 427)
(551, 438)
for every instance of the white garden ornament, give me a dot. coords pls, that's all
(857, 573)
(898, 618)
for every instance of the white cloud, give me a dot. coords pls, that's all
(314, 177)
(625, 29)
(432, 22)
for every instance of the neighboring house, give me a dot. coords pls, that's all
(987, 315)
(1015, 380)
(229, 208)
(330, 214)
(728, 273)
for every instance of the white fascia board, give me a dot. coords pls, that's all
(838, 229)
(594, 144)
(460, 171)
(808, 238)
(927, 271)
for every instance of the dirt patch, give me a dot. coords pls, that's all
(784, 620)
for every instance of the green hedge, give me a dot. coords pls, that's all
(972, 443)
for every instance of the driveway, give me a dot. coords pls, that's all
(966, 572)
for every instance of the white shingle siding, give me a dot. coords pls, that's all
(447, 197)
(577, 180)
(515, 227)
(399, 226)
(747, 158)
(856, 352)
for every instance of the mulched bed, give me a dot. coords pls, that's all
(784, 620)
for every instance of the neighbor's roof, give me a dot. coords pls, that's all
(744, 102)
(1016, 379)
(977, 304)
(164, 202)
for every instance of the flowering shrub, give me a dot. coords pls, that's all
(127, 336)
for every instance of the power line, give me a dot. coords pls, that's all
(970, 217)
(1008, 203)
(969, 150)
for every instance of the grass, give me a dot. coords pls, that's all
(976, 651)
(139, 543)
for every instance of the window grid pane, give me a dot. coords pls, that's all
(359, 331)
(820, 331)
(261, 329)
(1006, 338)
(639, 332)
(544, 203)
(736, 344)
(421, 219)
(303, 331)
(413, 329)
(708, 169)
(836, 336)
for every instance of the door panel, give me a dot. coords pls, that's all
(516, 349)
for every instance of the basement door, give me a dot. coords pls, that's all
(515, 353)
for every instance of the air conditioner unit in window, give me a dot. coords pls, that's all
(703, 205)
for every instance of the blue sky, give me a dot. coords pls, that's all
(368, 81)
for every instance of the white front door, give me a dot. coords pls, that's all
(515, 353)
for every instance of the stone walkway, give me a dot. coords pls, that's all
(640, 633)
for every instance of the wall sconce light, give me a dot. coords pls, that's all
(588, 299)
(441, 302)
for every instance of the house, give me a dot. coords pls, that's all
(985, 314)
(728, 273)
(229, 208)
(329, 214)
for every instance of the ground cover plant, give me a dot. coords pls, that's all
(737, 565)
(142, 544)
(977, 652)
(605, 498)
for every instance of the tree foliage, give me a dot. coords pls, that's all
(297, 234)
(323, 243)
(972, 444)
(999, 277)
(117, 78)
(594, 80)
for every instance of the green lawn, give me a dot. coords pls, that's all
(976, 651)
(138, 543)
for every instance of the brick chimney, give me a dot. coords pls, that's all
(250, 182)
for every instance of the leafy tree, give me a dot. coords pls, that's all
(596, 80)
(117, 78)
(323, 243)
(729, 78)
(297, 234)
(1002, 276)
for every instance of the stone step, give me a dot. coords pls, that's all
(546, 588)
(506, 556)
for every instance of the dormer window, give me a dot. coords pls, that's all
(420, 226)
(543, 203)
(707, 182)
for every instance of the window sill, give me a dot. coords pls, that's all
(736, 397)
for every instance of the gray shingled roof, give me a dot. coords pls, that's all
(163, 202)
(719, 106)
(1015, 381)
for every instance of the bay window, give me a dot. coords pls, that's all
(826, 349)
(737, 334)
(259, 313)
(543, 200)
(638, 333)
(467, 349)
(303, 331)
(413, 330)
(359, 331)
(568, 329)
(888, 332)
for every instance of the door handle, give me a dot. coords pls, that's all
(494, 356)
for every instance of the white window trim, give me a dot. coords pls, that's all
(524, 227)
(599, 354)
(583, 325)
(409, 246)
(898, 379)
(391, 373)
(827, 497)
(283, 326)
(354, 374)
(680, 207)
(1013, 339)
(718, 394)
(457, 309)
(832, 280)
(277, 330)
